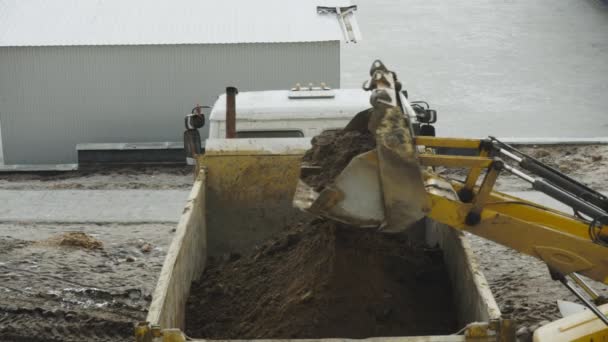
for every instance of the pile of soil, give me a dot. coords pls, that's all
(323, 280)
(332, 151)
(74, 239)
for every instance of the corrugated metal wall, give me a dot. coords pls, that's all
(52, 98)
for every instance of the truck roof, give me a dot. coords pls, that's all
(285, 104)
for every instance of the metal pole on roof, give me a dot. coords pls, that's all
(231, 112)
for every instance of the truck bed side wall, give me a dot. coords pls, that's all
(249, 199)
(246, 197)
(184, 262)
(474, 299)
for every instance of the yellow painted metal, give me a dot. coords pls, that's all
(558, 239)
(581, 327)
(479, 330)
(250, 191)
(533, 213)
(598, 336)
(252, 178)
(157, 331)
(173, 335)
(143, 332)
(502, 330)
(453, 161)
(506, 330)
(482, 196)
(447, 142)
(474, 173)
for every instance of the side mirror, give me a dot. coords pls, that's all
(192, 138)
(431, 116)
(194, 121)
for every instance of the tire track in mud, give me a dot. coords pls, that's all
(52, 292)
(38, 324)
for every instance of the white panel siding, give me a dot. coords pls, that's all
(144, 22)
(52, 98)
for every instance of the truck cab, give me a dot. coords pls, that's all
(300, 112)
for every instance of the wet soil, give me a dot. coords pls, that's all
(332, 151)
(69, 282)
(73, 239)
(323, 279)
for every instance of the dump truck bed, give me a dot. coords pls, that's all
(243, 194)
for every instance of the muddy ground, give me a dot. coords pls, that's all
(101, 178)
(57, 291)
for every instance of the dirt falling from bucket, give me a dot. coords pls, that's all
(324, 279)
(332, 151)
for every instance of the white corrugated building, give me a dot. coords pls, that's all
(114, 71)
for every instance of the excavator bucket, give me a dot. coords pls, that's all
(355, 197)
(383, 187)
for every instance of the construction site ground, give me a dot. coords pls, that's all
(60, 286)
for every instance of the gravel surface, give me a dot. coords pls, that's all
(58, 289)
(585, 163)
(92, 285)
(105, 178)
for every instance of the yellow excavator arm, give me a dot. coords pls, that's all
(395, 185)
(566, 243)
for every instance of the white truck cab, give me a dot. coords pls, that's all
(288, 113)
(296, 113)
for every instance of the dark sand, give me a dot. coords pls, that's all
(323, 279)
